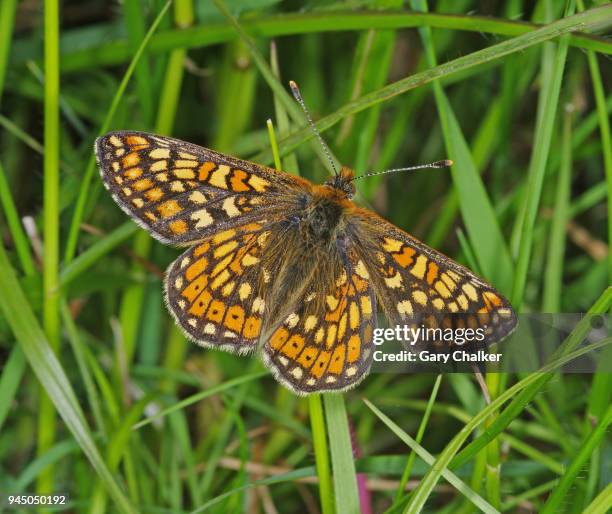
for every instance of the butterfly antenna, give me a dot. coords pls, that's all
(438, 164)
(298, 96)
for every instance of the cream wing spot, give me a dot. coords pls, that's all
(244, 291)
(341, 279)
(177, 186)
(419, 297)
(185, 163)
(394, 282)
(183, 173)
(310, 323)
(438, 303)
(197, 197)
(258, 183)
(292, 320)
(392, 245)
(470, 291)
(259, 305)
(230, 208)
(202, 218)
(418, 270)
(159, 153)
(361, 270)
(462, 301)
(405, 307)
(218, 177)
(249, 260)
(159, 166)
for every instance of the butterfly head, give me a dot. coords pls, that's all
(342, 183)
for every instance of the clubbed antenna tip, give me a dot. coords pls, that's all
(298, 96)
(442, 164)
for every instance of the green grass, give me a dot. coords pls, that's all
(101, 396)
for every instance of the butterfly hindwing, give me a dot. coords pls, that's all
(183, 193)
(213, 289)
(325, 342)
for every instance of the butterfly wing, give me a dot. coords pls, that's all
(417, 284)
(324, 343)
(214, 290)
(182, 193)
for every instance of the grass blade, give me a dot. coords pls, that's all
(79, 209)
(602, 504)
(12, 217)
(51, 226)
(118, 52)
(553, 278)
(12, 371)
(319, 444)
(476, 209)
(343, 462)
(537, 168)
(586, 448)
(594, 19)
(419, 438)
(453, 479)
(51, 375)
(606, 140)
(7, 20)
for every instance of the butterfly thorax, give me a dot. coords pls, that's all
(325, 209)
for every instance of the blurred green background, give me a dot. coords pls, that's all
(103, 399)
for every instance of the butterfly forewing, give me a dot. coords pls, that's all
(419, 285)
(183, 193)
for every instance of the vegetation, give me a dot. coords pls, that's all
(101, 396)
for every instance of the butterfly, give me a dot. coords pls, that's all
(279, 265)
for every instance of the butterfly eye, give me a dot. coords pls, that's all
(343, 183)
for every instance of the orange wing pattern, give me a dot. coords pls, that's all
(182, 193)
(281, 264)
(417, 284)
(325, 344)
(212, 289)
